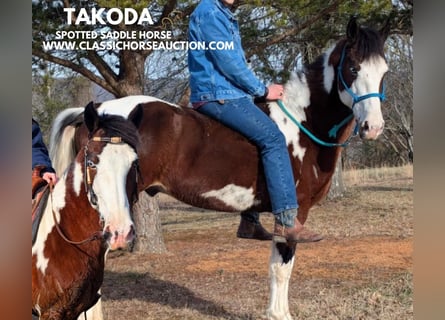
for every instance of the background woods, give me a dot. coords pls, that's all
(278, 36)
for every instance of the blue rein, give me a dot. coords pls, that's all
(310, 134)
(355, 99)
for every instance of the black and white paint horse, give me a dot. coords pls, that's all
(203, 163)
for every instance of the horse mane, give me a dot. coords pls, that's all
(62, 149)
(369, 43)
(115, 125)
(61, 145)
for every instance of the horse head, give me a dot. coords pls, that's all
(361, 65)
(111, 173)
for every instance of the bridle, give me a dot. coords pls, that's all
(356, 98)
(90, 166)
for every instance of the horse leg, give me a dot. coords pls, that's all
(93, 313)
(280, 269)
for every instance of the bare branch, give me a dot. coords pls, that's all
(75, 67)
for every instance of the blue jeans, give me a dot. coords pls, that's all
(245, 117)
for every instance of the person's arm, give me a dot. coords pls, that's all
(40, 156)
(231, 63)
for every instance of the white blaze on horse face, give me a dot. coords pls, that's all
(124, 106)
(368, 112)
(297, 98)
(236, 197)
(56, 202)
(109, 184)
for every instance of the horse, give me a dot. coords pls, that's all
(87, 214)
(207, 165)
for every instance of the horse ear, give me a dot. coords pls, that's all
(91, 117)
(352, 29)
(136, 115)
(385, 30)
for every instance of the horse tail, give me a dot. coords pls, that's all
(61, 146)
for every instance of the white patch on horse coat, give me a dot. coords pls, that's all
(78, 178)
(297, 98)
(55, 202)
(328, 71)
(279, 274)
(239, 198)
(109, 183)
(124, 106)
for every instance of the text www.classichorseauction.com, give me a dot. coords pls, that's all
(122, 40)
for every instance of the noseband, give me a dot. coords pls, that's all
(356, 98)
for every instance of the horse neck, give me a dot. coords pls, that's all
(74, 213)
(313, 97)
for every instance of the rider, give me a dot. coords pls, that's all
(222, 87)
(41, 163)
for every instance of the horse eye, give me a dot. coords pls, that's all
(353, 70)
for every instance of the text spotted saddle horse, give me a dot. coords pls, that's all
(39, 196)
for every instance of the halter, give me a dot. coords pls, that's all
(356, 98)
(90, 165)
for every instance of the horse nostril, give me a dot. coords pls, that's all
(131, 233)
(107, 233)
(365, 126)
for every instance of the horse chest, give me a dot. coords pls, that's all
(69, 286)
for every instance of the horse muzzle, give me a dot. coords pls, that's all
(370, 132)
(120, 239)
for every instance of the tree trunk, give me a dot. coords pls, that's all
(146, 210)
(148, 225)
(337, 188)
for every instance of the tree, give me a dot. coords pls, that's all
(278, 36)
(51, 94)
(121, 72)
(399, 124)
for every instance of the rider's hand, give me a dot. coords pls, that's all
(276, 92)
(50, 177)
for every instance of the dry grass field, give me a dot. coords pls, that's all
(362, 270)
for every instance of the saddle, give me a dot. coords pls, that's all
(39, 197)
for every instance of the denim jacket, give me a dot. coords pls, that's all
(219, 74)
(39, 151)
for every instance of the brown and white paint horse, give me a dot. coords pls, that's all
(87, 213)
(205, 164)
